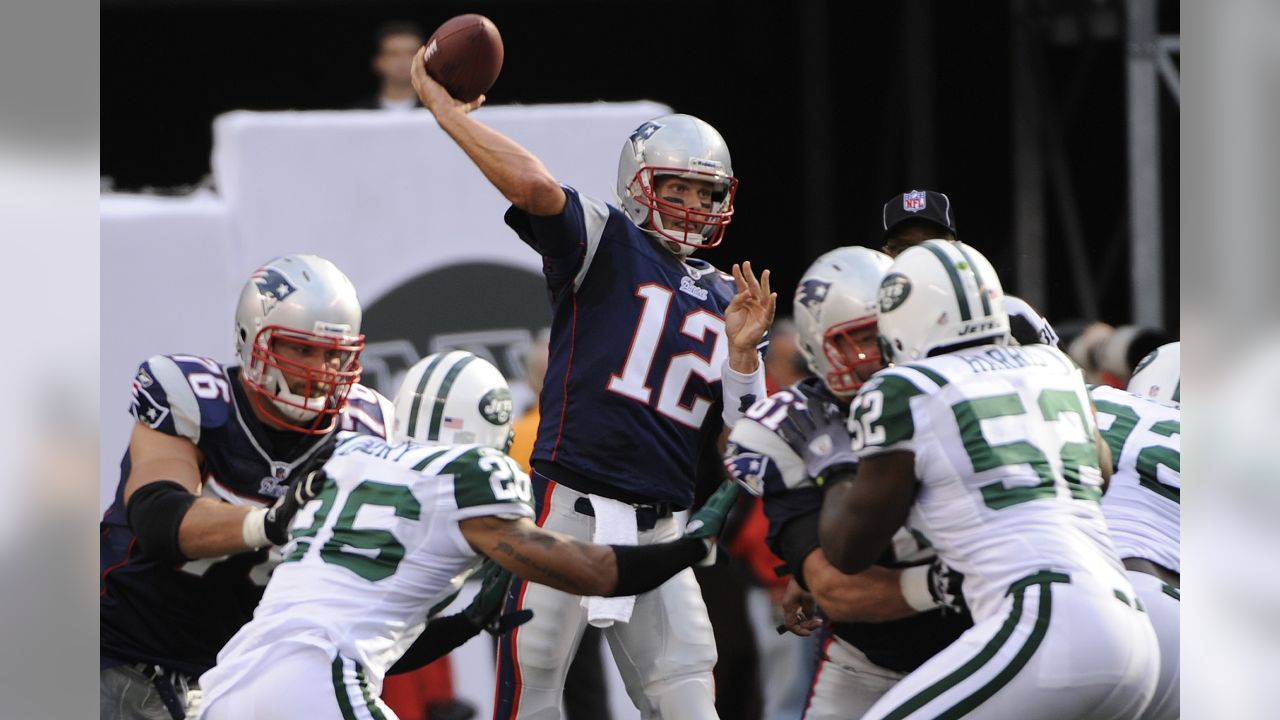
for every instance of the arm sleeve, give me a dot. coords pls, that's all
(568, 241)
(439, 638)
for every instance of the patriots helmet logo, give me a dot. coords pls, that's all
(641, 134)
(273, 286)
(812, 292)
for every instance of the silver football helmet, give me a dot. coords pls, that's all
(937, 294)
(684, 146)
(454, 398)
(836, 297)
(1159, 375)
(307, 302)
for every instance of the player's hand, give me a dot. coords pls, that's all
(485, 610)
(799, 614)
(818, 434)
(946, 587)
(708, 522)
(306, 481)
(749, 314)
(432, 94)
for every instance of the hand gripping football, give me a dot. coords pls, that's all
(465, 55)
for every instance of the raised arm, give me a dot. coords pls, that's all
(517, 173)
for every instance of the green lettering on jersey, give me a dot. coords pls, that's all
(1126, 419)
(1053, 404)
(1153, 456)
(387, 550)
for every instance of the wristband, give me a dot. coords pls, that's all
(914, 582)
(740, 391)
(254, 530)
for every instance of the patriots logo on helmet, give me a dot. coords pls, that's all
(641, 134)
(914, 201)
(747, 468)
(812, 292)
(272, 286)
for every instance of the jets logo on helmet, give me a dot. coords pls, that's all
(894, 290)
(454, 398)
(950, 295)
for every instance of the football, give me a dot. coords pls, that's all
(465, 55)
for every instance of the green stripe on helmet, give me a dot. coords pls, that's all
(417, 395)
(954, 274)
(437, 413)
(982, 286)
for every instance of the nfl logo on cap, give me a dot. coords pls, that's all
(913, 201)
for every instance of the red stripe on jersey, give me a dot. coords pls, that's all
(128, 555)
(564, 402)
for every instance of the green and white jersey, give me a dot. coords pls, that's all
(380, 550)
(1006, 461)
(1143, 503)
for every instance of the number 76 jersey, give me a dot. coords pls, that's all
(1005, 459)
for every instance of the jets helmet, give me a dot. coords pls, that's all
(837, 297)
(938, 294)
(454, 398)
(1159, 375)
(308, 302)
(684, 146)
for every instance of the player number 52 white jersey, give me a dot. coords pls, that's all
(1007, 464)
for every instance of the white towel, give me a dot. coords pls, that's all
(615, 525)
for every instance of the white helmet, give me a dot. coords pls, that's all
(685, 146)
(454, 398)
(837, 296)
(307, 301)
(937, 294)
(1159, 375)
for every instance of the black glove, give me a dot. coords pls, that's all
(818, 434)
(946, 587)
(485, 610)
(306, 481)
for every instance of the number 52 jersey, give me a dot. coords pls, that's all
(376, 554)
(1006, 460)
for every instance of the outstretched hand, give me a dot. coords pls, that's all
(433, 95)
(708, 522)
(749, 314)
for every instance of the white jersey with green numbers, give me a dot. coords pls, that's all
(378, 552)
(1006, 462)
(1143, 502)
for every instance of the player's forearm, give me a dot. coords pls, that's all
(873, 595)
(556, 561)
(517, 173)
(212, 529)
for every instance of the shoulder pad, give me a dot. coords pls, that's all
(368, 412)
(181, 394)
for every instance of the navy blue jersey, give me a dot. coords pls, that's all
(759, 459)
(637, 346)
(180, 615)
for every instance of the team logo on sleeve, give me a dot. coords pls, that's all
(894, 290)
(812, 292)
(273, 286)
(144, 407)
(747, 468)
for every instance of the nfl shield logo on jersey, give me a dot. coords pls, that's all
(914, 201)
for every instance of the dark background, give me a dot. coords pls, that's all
(820, 101)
